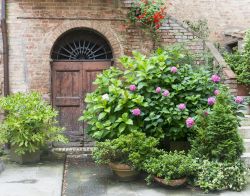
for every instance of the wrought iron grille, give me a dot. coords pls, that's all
(81, 45)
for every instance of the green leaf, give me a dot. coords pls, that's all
(101, 115)
(129, 122)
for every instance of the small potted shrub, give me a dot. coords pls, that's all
(171, 169)
(29, 124)
(126, 154)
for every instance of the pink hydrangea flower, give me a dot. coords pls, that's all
(173, 69)
(211, 101)
(165, 93)
(238, 99)
(190, 122)
(158, 89)
(216, 92)
(182, 106)
(132, 87)
(215, 78)
(136, 112)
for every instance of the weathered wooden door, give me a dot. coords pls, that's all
(70, 83)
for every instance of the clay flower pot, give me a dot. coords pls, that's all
(172, 183)
(123, 172)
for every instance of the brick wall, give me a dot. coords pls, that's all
(34, 26)
(220, 14)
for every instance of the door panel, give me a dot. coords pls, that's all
(70, 83)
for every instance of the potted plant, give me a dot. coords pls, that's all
(126, 154)
(170, 168)
(29, 124)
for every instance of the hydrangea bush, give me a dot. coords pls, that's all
(158, 95)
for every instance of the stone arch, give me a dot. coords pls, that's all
(97, 26)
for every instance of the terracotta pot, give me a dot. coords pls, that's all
(243, 90)
(123, 172)
(172, 183)
(179, 145)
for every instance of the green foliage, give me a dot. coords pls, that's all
(108, 119)
(216, 176)
(108, 111)
(131, 149)
(188, 85)
(217, 136)
(240, 62)
(170, 166)
(30, 122)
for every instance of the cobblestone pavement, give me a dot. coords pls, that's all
(83, 178)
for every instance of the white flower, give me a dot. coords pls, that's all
(105, 97)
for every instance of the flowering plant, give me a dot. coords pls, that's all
(158, 95)
(149, 13)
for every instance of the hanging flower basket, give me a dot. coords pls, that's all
(149, 13)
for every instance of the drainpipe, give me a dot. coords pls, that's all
(5, 49)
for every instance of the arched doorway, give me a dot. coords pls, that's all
(78, 56)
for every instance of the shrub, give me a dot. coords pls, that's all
(213, 175)
(217, 137)
(240, 62)
(146, 96)
(30, 122)
(170, 166)
(131, 149)
(177, 82)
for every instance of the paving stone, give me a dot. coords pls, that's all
(84, 178)
(43, 179)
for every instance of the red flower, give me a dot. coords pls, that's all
(157, 26)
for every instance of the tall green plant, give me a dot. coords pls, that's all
(217, 136)
(30, 122)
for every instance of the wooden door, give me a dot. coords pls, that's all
(70, 83)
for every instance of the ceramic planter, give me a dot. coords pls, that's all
(243, 90)
(123, 172)
(33, 157)
(172, 183)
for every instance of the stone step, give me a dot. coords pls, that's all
(74, 150)
(245, 122)
(246, 158)
(247, 145)
(244, 132)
